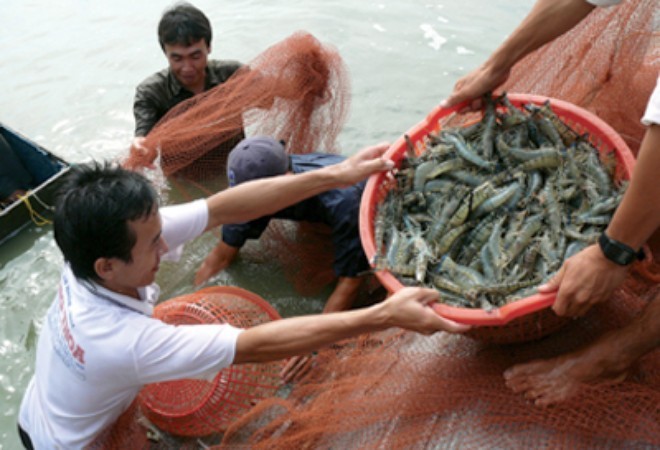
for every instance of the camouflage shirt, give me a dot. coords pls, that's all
(162, 91)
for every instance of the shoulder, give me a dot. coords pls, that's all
(154, 82)
(155, 79)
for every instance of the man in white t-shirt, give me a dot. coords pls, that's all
(99, 344)
(590, 276)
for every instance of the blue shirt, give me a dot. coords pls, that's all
(337, 208)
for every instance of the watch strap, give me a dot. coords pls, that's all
(618, 252)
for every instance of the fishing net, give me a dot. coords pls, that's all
(401, 390)
(296, 90)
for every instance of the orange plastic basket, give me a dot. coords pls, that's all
(199, 407)
(525, 319)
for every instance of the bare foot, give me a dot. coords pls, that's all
(558, 379)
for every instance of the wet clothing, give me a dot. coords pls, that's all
(159, 93)
(337, 208)
(98, 348)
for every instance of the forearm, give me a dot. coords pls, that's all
(224, 254)
(299, 335)
(547, 20)
(638, 215)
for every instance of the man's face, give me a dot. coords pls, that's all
(149, 247)
(188, 64)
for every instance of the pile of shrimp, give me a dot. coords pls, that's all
(489, 211)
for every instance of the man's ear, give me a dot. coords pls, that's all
(104, 268)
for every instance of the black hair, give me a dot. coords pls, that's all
(183, 24)
(93, 208)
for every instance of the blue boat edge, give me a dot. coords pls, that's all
(47, 171)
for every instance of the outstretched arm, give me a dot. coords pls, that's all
(588, 277)
(408, 308)
(265, 196)
(547, 20)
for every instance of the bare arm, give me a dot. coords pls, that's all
(638, 215)
(588, 277)
(408, 308)
(547, 20)
(258, 198)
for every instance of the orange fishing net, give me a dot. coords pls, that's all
(399, 390)
(296, 90)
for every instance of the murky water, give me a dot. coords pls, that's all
(68, 73)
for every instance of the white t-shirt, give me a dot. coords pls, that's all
(652, 114)
(98, 348)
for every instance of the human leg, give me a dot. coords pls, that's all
(608, 359)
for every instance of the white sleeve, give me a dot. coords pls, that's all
(652, 114)
(182, 223)
(604, 2)
(167, 352)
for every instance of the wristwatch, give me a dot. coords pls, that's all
(618, 252)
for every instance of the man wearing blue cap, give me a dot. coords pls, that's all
(261, 157)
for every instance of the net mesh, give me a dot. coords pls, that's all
(401, 390)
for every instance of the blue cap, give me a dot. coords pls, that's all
(256, 157)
